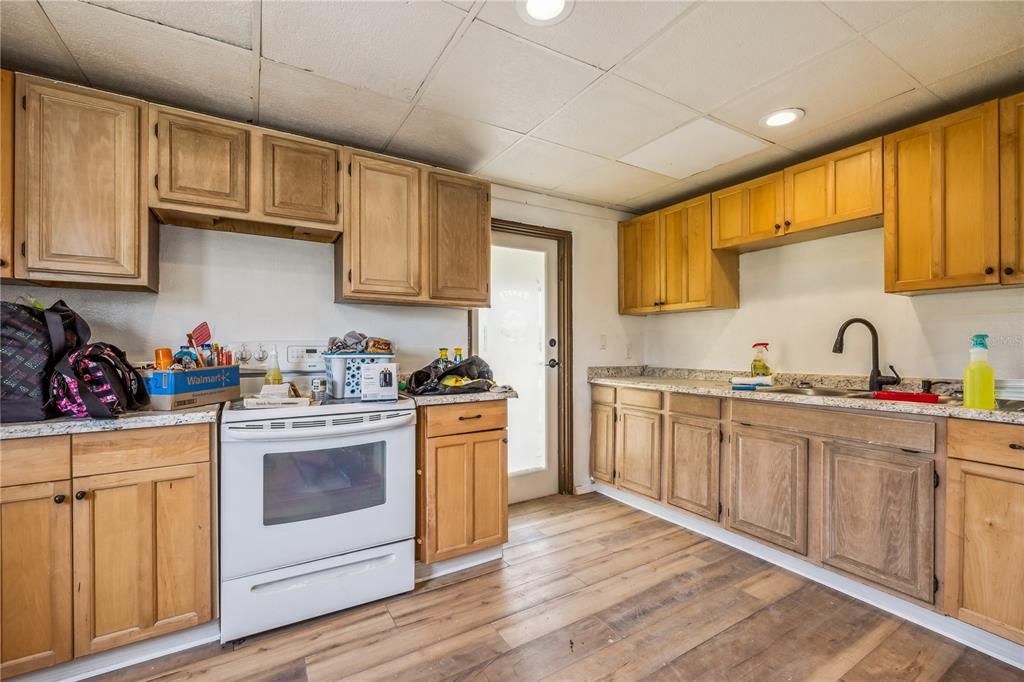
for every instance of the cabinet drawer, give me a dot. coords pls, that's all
(445, 420)
(603, 394)
(35, 460)
(113, 451)
(636, 397)
(1000, 444)
(696, 405)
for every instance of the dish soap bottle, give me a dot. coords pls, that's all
(979, 377)
(758, 366)
(273, 375)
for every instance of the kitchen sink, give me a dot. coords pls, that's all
(816, 391)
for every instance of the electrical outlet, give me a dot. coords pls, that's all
(603, 339)
(629, 351)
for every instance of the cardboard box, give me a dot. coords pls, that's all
(380, 381)
(192, 387)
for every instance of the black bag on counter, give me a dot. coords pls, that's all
(32, 341)
(474, 374)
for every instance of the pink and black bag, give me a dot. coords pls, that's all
(97, 381)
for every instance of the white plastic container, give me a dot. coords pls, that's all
(344, 371)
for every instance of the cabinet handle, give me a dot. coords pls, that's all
(1008, 270)
(59, 499)
(465, 418)
(80, 495)
(989, 270)
(1016, 446)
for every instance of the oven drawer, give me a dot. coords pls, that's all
(448, 420)
(261, 602)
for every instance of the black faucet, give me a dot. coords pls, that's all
(876, 380)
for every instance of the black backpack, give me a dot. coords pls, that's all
(32, 341)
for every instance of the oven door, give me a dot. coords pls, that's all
(292, 496)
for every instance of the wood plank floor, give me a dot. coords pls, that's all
(591, 589)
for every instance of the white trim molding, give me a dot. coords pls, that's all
(459, 563)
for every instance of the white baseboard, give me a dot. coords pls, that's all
(130, 654)
(429, 571)
(583, 489)
(976, 638)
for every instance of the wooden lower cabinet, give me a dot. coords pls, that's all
(602, 442)
(638, 452)
(769, 486)
(879, 517)
(35, 576)
(141, 555)
(692, 464)
(985, 546)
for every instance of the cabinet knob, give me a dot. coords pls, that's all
(787, 223)
(58, 499)
(504, 440)
(80, 495)
(1008, 270)
(989, 270)
(777, 227)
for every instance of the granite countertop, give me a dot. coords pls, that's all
(134, 420)
(723, 389)
(452, 398)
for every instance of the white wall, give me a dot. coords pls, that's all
(796, 297)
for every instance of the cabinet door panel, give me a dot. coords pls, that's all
(35, 577)
(942, 202)
(686, 243)
(769, 486)
(6, 173)
(748, 212)
(602, 442)
(674, 235)
(77, 177)
(834, 188)
(766, 207)
(460, 238)
(202, 162)
(692, 450)
(729, 214)
(384, 233)
(639, 264)
(141, 555)
(638, 459)
(300, 180)
(1011, 178)
(879, 517)
(985, 546)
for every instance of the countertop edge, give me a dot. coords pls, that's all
(456, 398)
(892, 406)
(206, 414)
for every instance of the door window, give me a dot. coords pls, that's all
(298, 486)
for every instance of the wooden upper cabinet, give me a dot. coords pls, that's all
(459, 237)
(638, 452)
(382, 242)
(835, 188)
(879, 517)
(985, 546)
(201, 161)
(141, 555)
(35, 576)
(79, 209)
(6, 173)
(1011, 155)
(768, 471)
(640, 262)
(942, 202)
(694, 276)
(747, 212)
(602, 442)
(300, 179)
(692, 464)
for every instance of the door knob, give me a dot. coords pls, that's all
(552, 363)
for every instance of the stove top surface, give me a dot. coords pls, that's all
(235, 410)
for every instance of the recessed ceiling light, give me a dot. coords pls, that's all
(544, 12)
(782, 117)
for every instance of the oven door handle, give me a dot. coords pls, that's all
(325, 432)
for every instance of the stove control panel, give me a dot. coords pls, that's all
(292, 356)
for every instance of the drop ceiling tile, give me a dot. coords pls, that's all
(28, 42)
(722, 49)
(938, 39)
(497, 78)
(438, 138)
(888, 116)
(868, 77)
(865, 15)
(156, 62)
(661, 197)
(693, 147)
(613, 182)
(996, 76)
(301, 102)
(598, 33)
(539, 164)
(614, 117)
(387, 47)
(229, 21)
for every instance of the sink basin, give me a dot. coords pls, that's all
(1010, 405)
(817, 391)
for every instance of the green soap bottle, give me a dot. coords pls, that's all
(979, 377)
